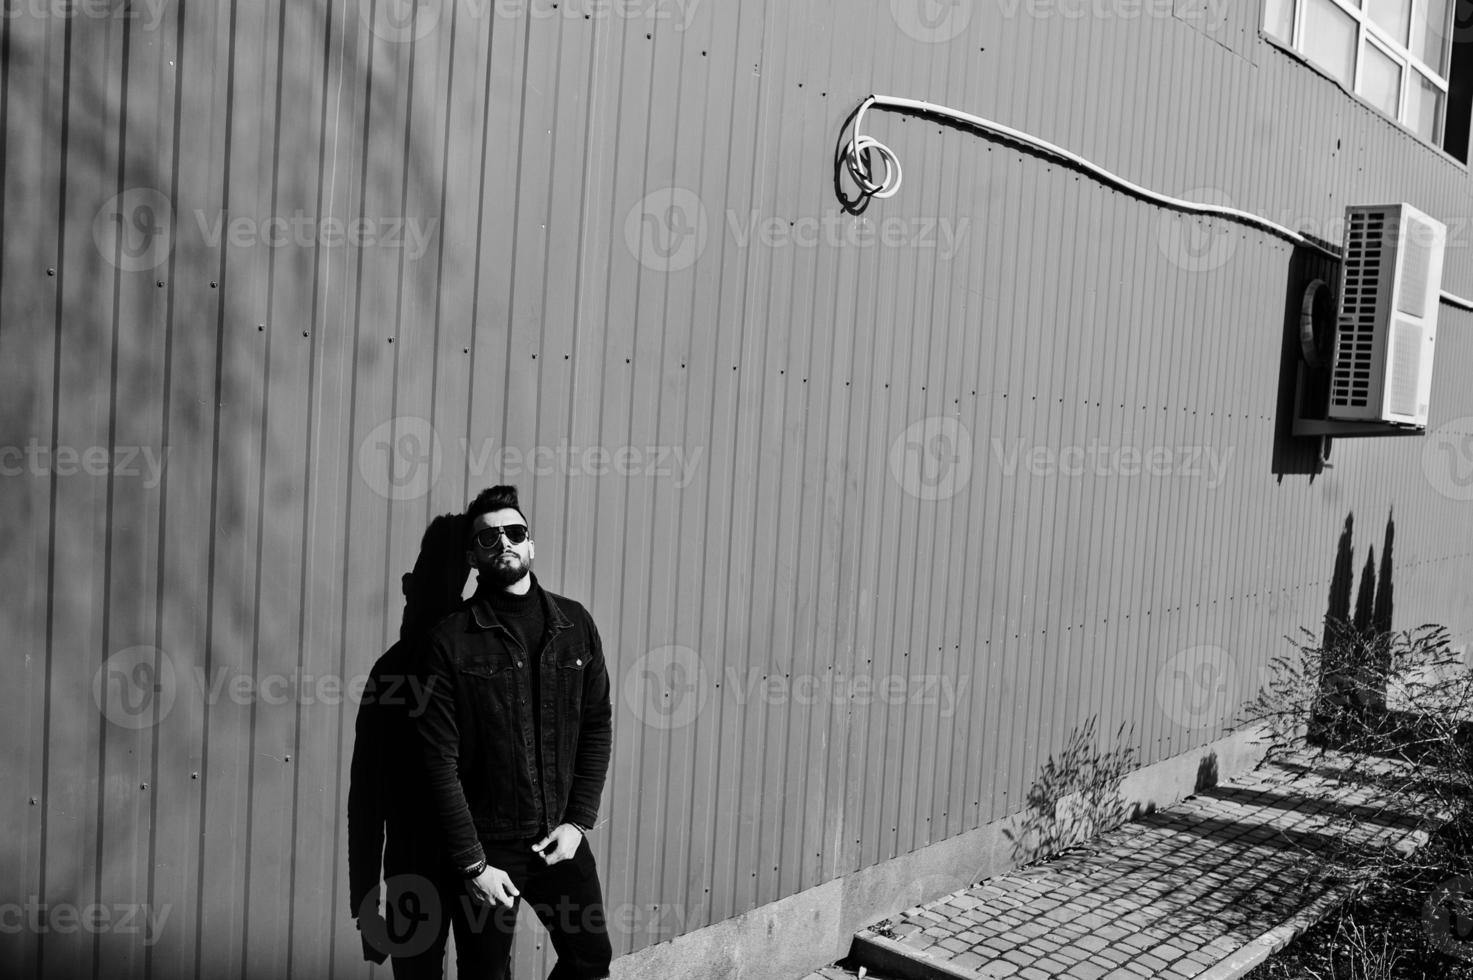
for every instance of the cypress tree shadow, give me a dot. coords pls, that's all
(1356, 661)
(1334, 678)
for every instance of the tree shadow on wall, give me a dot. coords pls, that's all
(220, 535)
(1355, 660)
(1076, 795)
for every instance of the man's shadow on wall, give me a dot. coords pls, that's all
(392, 832)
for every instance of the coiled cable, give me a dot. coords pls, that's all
(855, 158)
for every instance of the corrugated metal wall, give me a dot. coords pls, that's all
(836, 450)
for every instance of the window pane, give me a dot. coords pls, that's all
(1278, 19)
(1392, 16)
(1329, 36)
(1380, 80)
(1430, 35)
(1424, 109)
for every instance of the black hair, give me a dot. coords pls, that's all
(503, 497)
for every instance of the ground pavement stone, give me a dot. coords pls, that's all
(1171, 896)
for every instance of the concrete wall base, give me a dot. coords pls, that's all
(789, 938)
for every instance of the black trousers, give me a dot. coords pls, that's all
(566, 897)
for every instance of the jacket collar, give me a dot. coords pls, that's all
(485, 618)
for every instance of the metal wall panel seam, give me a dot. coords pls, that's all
(954, 756)
(974, 637)
(672, 745)
(1086, 514)
(819, 640)
(126, 758)
(1135, 582)
(355, 632)
(1043, 324)
(173, 44)
(316, 919)
(1036, 179)
(768, 611)
(193, 366)
(887, 620)
(332, 404)
(219, 912)
(938, 762)
(273, 653)
(693, 894)
(796, 283)
(722, 383)
(28, 309)
(629, 180)
(1084, 608)
(916, 614)
(251, 426)
(1019, 498)
(736, 587)
(961, 755)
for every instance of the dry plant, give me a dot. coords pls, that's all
(1387, 718)
(1076, 795)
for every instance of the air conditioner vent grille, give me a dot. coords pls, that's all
(1350, 387)
(1416, 263)
(1406, 365)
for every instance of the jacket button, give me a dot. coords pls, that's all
(519, 664)
(577, 663)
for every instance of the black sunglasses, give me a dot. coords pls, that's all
(487, 537)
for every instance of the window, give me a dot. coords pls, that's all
(1401, 56)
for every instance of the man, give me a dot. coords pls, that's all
(516, 735)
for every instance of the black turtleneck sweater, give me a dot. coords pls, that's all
(525, 618)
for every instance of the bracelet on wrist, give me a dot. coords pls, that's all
(474, 871)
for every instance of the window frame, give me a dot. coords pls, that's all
(1370, 32)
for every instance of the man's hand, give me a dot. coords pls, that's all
(374, 922)
(493, 887)
(563, 842)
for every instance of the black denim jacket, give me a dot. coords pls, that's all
(477, 729)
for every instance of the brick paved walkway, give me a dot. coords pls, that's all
(1206, 889)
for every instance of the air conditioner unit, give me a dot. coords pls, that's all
(1390, 280)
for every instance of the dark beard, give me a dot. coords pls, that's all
(498, 575)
